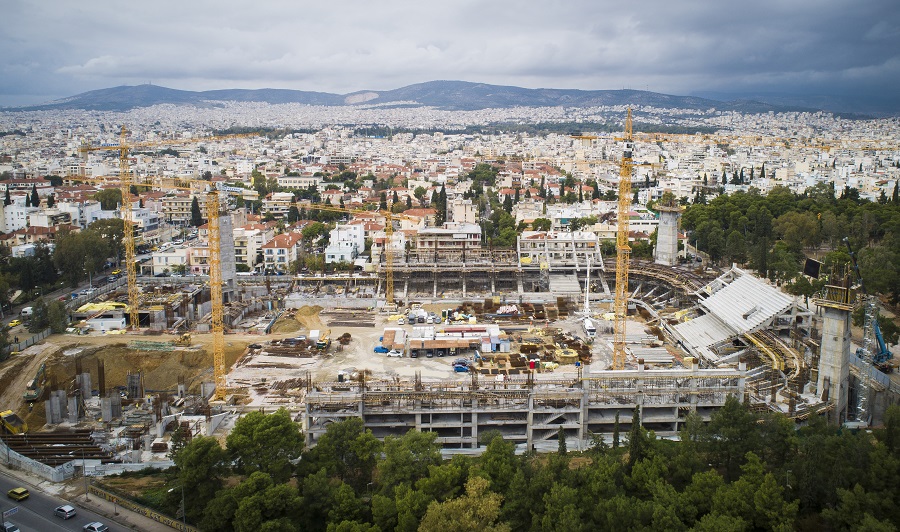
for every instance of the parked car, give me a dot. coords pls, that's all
(15, 323)
(8, 527)
(394, 353)
(65, 511)
(18, 494)
(95, 527)
(401, 321)
(381, 349)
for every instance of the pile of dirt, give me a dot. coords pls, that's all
(286, 324)
(308, 316)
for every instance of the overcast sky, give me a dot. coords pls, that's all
(55, 48)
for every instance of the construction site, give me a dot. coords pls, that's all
(456, 343)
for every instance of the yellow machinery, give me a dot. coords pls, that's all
(183, 340)
(324, 341)
(215, 293)
(623, 250)
(12, 423)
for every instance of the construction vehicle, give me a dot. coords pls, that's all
(184, 340)
(35, 388)
(11, 423)
(324, 341)
(874, 347)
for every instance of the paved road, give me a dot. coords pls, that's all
(36, 512)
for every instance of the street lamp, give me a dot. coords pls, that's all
(183, 517)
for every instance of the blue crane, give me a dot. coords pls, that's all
(882, 356)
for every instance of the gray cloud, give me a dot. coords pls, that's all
(55, 48)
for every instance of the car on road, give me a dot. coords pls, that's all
(381, 349)
(394, 353)
(18, 494)
(401, 321)
(8, 527)
(96, 526)
(65, 511)
(15, 323)
(116, 272)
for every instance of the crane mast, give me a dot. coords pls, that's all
(623, 249)
(215, 293)
(125, 182)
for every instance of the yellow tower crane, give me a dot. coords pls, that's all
(126, 180)
(215, 293)
(623, 249)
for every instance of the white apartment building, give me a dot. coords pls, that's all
(462, 211)
(300, 181)
(559, 248)
(248, 242)
(278, 204)
(451, 237)
(345, 243)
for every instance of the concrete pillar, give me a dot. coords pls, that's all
(73, 410)
(666, 250)
(834, 365)
(85, 386)
(463, 283)
(106, 409)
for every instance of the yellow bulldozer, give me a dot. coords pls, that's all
(183, 340)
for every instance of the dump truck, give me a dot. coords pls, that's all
(12, 423)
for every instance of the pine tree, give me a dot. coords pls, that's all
(751, 174)
(196, 215)
(895, 199)
(27, 200)
(7, 200)
(35, 199)
(616, 432)
(51, 201)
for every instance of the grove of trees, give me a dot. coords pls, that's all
(740, 471)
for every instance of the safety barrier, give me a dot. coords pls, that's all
(17, 461)
(141, 509)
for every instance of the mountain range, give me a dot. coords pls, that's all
(450, 95)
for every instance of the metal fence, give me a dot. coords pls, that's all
(128, 504)
(18, 461)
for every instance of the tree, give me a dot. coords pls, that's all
(196, 215)
(478, 509)
(111, 230)
(406, 459)
(7, 200)
(265, 442)
(201, 466)
(109, 198)
(293, 214)
(638, 440)
(348, 451)
(35, 199)
(51, 201)
(541, 224)
(57, 317)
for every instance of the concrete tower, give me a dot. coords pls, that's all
(833, 383)
(666, 250)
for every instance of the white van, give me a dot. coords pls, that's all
(27, 312)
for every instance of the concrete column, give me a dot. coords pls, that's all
(667, 236)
